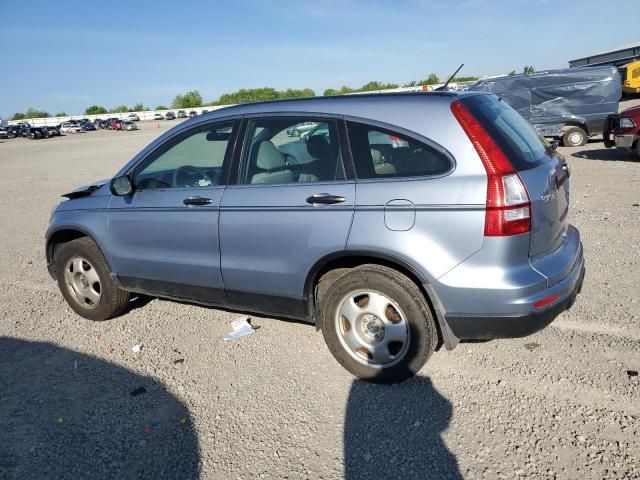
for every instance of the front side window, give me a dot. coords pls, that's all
(195, 161)
(379, 154)
(291, 150)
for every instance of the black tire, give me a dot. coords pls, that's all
(574, 137)
(112, 299)
(422, 338)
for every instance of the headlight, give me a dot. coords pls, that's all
(627, 123)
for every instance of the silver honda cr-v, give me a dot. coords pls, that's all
(397, 223)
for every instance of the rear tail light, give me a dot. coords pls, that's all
(508, 204)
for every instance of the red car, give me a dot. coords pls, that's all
(115, 125)
(623, 130)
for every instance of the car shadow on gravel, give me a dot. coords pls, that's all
(607, 155)
(395, 432)
(65, 414)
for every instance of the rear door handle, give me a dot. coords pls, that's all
(325, 199)
(197, 201)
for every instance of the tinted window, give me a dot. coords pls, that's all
(516, 137)
(291, 150)
(195, 161)
(379, 153)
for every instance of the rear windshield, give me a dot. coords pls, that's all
(521, 142)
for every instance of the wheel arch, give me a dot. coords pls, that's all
(66, 234)
(348, 259)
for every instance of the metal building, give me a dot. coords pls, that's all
(616, 56)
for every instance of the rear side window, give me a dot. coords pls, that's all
(520, 141)
(379, 153)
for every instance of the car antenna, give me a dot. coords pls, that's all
(446, 84)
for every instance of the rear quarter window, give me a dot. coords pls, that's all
(380, 153)
(517, 138)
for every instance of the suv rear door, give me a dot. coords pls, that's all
(554, 244)
(289, 206)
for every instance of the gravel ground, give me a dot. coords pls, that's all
(563, 403)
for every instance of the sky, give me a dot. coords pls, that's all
(67, 55)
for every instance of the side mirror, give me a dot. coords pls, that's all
(121, 186)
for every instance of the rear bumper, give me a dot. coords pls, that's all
(478, 327)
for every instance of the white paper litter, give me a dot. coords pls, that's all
(136, 348)
(241, 327)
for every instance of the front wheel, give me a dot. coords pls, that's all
(574, 137)
(85, 282)
(377, 324)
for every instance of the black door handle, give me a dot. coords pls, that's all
(325, 199)
(197, 201)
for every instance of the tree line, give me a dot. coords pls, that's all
(193, 98)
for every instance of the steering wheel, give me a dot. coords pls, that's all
(190, 176)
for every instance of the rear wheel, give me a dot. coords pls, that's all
(377, 324)
(85, 282)
(574, 137)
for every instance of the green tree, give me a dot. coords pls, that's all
(95, 110)
(465, 79)
(34, 113)
(18, 116)
(528, 69)
(138, 107)
(432, 79)
(61, 114)
(249, 95)
(512, 73)
(119, 109)
(190, 99)
(330, 92)
(161, 107)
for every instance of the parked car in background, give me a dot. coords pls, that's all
(297, 130)
(193, 113)
(132, 117)
(103, 124)
(462, 232)
(571, 104)
(204, 110)
(126, 125)
(4, 133)
(182, 114)
(115, 124)
(69, 127)
(36, 133)
(14, 131)
(88, 127)
(158, 116)
(170, 116)
(623, 130)
(53, 131)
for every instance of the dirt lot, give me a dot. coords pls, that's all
(563, 403)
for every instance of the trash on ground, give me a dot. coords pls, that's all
(138, 391)
(632, 373)
(179, 360)
(241, 327)
(137, 348)
(531, 346)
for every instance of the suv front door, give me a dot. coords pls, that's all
(290, 206)
(163, 238)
